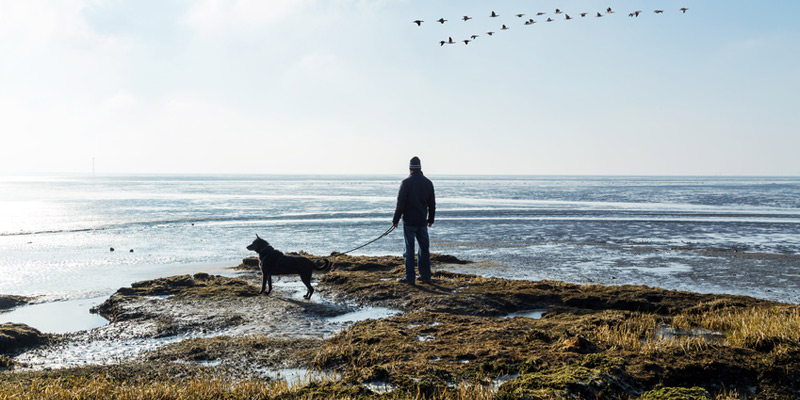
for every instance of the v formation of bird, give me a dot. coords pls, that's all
(531, 21)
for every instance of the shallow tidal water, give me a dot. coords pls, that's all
(738, 235)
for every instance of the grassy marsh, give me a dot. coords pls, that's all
(456, 341)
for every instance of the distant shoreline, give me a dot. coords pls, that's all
(387, 175)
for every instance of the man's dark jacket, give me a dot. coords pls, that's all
(416, 201)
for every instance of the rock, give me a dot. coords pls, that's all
(578, 344)
(15, 337)
(447, 259)
(250, 263)
(201, 276)
(11, 301)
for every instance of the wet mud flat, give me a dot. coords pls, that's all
(463, 336)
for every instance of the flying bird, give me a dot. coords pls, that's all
(567, 17)
(466, 18)
(541, 13)
(494, 14)
(530, 22)
(549, 20)
(609, 11)
(520, 15)
(418, 22)
(450, 40)
(659, 11)
(442, 43)
(684, 9)
(474, 37)
(466, 41)
(630, 15)
(599, 15)
(505, 28)
(490, 33)
(636, 13)
(441, 20)
(558, 11)
(583, 15)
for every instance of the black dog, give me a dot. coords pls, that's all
(273, 262)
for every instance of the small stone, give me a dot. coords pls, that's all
(578, 344)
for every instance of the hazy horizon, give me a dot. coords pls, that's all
(366, 175)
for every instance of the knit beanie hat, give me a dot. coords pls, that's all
(415, 164)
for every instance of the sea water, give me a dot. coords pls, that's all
(738, 235)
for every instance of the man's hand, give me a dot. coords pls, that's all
(430, 224)
(394, 225)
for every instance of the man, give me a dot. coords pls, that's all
(416, 204)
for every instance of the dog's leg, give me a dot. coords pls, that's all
(269, 279)
(306, 278)
(263, 282)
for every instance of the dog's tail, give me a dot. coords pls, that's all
(325, 265)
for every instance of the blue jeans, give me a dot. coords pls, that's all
(424, 254)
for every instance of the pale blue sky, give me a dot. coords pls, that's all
(345, 86)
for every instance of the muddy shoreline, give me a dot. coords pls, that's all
(369, 334)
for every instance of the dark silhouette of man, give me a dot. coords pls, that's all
(416, 204)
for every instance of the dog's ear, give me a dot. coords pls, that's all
(257, 236)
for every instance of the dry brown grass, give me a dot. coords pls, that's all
(205, 387)
(752, 327)
(647, 334)
(99, 387)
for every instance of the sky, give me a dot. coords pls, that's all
(355, 87)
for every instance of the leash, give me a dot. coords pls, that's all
(388, 231)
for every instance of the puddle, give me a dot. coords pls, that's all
(496, 382)
(535, 314)
(426, 338)
(59, 316)
(159, 297)
(668, 269)
(92, 352)
(364, 314)
(296, 376)
(665, 332)
(203, 363)
(379, 387)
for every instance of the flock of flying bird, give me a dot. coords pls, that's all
(530, 21)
